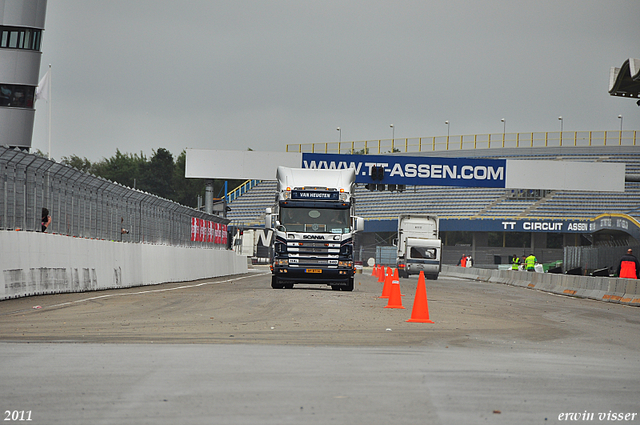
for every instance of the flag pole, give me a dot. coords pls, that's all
(49, 109)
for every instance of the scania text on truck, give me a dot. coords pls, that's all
(419, 245)
(313, 226)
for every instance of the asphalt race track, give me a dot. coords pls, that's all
(234, 351)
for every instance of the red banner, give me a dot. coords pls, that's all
(208, 231)
(200, 230)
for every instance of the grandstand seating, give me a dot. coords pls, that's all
(465, 203)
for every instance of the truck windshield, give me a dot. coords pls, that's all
(315, 220)
(420, 252)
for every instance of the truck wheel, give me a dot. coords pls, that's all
(349, 286)
(288, 286)
(275, 284)
(432, 276)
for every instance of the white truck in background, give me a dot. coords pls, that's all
(419, 245)
(313, 226)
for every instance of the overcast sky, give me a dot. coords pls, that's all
(138, 75)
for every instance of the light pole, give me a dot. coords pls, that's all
(393, 132)
(561, 124)
(621, 119)
(504, 127)
(561, 128)
(340, 131)
(447, 123)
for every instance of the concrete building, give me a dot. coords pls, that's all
(21, 30)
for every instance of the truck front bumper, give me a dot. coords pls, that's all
(339, 276)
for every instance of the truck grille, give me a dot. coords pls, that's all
(313, 253)
(307, 262)
(313, 248)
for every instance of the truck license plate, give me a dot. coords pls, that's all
(313, 270)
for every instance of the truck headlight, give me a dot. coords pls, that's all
(345, 264)
(282, 263)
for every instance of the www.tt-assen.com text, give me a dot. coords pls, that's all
(419, 171)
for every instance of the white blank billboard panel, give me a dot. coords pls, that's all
(564, 175)
(240, 165)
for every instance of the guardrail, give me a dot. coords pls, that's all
(83, 205)
(475, 141)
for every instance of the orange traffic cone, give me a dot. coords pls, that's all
(420, 311)
(386, 289)
(374, 272)
(395, 298)
(381, 274)
(395, 277)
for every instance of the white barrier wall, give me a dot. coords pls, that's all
(610, 289)
(39, 263)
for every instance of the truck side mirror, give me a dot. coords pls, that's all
(358, 224)
(270, 220)
(394, 242)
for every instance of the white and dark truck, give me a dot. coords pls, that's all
(419, 245)
(313, 226)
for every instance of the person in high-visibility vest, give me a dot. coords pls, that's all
(530, 263)
(515, 262)
(629, 267)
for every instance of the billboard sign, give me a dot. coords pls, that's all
(526, 225)
(616, 222)
(415, 170)
(419, 170)
(476, 172)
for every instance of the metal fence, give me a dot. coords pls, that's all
(83, 205)
(596, 257)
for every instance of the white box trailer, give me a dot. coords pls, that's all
(419, 245)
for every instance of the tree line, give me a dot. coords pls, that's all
(160, 174)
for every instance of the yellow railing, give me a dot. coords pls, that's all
(475, 141)
(238, 191)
